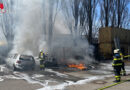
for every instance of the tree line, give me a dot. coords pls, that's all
(89, 15)
(82, 17)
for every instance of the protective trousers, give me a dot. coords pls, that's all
(117, 70)
(42, 64)
(123, 72)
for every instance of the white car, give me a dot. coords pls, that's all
(22, 62)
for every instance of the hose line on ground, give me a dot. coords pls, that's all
(113, 84)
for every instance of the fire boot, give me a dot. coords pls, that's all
(124, 73)
(42, 67)
(117, 79)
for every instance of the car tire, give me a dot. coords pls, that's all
(33, 68)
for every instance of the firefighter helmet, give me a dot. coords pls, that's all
(116, 50)
(41, 50)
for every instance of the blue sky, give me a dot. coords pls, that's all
(129, 7)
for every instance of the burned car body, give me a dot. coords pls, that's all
(20, 62)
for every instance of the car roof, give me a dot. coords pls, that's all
(20, 55)
(26, 56)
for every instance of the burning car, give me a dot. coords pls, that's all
(20, 62)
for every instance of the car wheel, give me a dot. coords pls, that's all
(32, 68)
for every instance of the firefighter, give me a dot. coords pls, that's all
(42, 60)
(123, 72)
(117, 64)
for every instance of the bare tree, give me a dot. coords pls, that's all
(7, 28)
(113, 12)
(53, 6)
(90, 6)
(7, 21)
(71, 12)
(75, 9)
(67, 12)
(122, 11)
(126, 21)
(83, 13)
(106, 6)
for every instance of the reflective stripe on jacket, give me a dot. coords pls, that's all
(42, 65)
(122, 57)
(41, 56)
(117, 60)
(119, 64)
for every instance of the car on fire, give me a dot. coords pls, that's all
(20, 62)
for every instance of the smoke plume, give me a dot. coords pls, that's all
(32, 33)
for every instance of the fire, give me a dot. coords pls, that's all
(78, 66)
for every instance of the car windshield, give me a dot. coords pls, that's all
(25, 57)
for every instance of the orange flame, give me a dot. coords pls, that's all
(78, 66)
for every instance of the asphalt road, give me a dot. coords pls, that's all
(59, 79)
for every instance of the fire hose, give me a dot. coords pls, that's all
(126, 56)
(113, 84)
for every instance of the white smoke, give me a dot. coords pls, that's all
(30, 36)
(29, 29)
